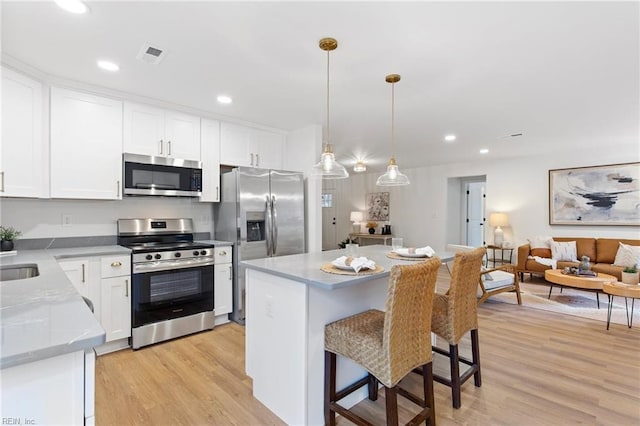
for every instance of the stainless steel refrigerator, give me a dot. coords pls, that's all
(262, 212)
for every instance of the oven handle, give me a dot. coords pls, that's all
(169, 265)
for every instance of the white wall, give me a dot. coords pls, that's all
(517, 186)
(43, 218)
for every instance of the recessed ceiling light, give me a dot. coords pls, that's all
(224, 99)
(108, 66)
(73, 6)
(450, 138)
(484, 151)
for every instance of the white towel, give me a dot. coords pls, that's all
(426, 250)
(546, 261)
(357, 263)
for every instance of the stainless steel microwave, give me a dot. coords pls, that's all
(147, 175)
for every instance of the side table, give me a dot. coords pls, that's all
(376, 238)
(504, 251)
(628, 291)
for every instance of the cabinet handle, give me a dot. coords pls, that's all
(117, 189)
(161, 142)
(257, 160)
(217, 193)
(230, 273)
(168, 147)
(116, 264)
(251, 158)
(2, 175)
(126, 288)
(223, 253)
(83, 272)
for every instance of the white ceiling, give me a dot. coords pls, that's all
(564, 74)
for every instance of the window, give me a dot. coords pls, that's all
(327, 200)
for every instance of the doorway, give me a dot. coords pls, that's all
(328, 203)
(475, 202)
(465, 210)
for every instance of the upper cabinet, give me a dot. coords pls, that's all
(86, 146)
(158, 132)
(210, 148)
(247, 146)
(22, 150)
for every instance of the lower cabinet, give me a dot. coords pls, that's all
(223, 284)
(106, 281)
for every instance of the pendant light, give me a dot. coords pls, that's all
(392, 177)
(328, 167)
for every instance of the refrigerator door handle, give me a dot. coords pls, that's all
(268, 226)
(274, 225)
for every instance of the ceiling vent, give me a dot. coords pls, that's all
(151, 54)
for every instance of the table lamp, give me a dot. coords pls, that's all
(497, 220)
(356, 218)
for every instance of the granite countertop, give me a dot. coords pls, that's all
(305, 268)
(44, 316)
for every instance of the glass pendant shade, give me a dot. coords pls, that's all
(328, 167)
(393, 176)
(360, 167)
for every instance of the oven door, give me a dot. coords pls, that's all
(174, 289)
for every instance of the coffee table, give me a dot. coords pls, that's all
(631, 291)
(555, 276)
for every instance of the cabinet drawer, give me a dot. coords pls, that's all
(222, 254)
(115, 266)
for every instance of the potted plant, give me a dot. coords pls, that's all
(344, 243)
(630, 275)
(7, 235)
(372, 227)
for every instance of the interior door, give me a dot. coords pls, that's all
(475, 213)
(329, 241)
(287, 199)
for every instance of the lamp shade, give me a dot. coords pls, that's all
(498, 219)
(356, 217)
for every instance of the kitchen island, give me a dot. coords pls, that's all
(289, 301)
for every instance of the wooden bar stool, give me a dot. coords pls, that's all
(456, 313)
(389, 345)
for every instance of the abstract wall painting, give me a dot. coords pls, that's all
(378, 206)
(598, 195)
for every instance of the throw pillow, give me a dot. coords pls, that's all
(540, 242)
(541, 252)
(564, 251)
(627, 256)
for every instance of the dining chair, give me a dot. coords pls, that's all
(389, 345)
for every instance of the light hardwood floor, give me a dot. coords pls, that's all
(538, 368)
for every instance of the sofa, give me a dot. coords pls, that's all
(601, 252)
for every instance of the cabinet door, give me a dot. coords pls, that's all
(78, 273)
(86, 146)
(222, 288)
(182, 132)
(21, 154)
(236, 145)
(144, 130)
(116, 307)
(210, 148)
(268, 147)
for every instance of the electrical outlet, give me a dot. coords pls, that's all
(66, 220)
(268, 306)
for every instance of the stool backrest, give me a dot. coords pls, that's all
(407, 322)
(463, 304)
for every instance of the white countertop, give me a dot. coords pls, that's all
(305, 268)
(45, 316)
(216, 243)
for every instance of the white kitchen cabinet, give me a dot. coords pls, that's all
(210, 148)
(86, 146)
(116, 296)
(22, 154)
(158, 132)
(250, 147)
(77, 271)
(223, 284)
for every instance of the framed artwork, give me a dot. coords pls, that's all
(377, 206)
(598, 195)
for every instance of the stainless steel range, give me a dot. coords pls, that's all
(171, 277)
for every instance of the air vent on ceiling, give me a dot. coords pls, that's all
(151, 54)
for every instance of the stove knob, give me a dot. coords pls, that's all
(149, 257)
(177, 254)
(203, 252)
(196, 252)
(158, 256)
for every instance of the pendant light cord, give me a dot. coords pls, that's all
(328, 127)
(393, 127)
